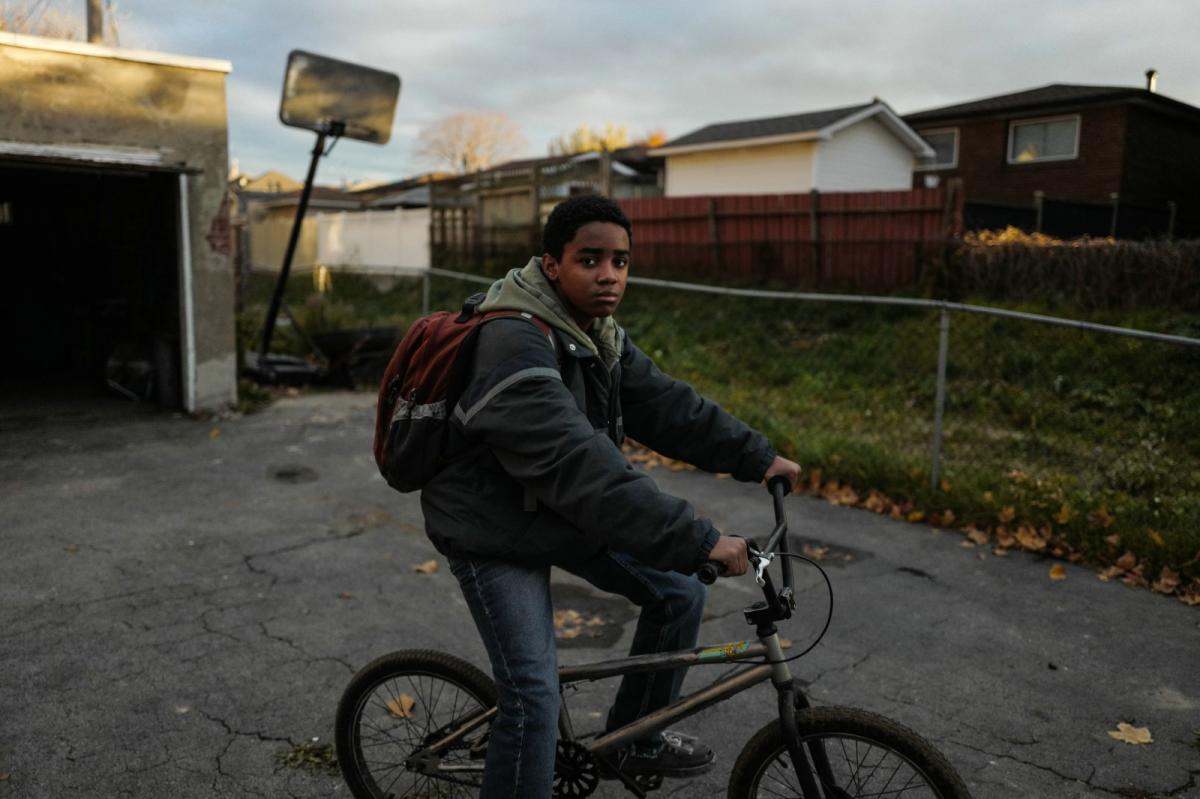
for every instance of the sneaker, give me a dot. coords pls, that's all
(670, 754)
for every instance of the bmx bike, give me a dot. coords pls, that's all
(415, 723)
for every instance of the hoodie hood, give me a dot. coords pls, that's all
(529, 290)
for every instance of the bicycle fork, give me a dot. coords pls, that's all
(790, 700)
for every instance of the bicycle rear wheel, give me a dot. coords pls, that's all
(855, 754)
(398, 705)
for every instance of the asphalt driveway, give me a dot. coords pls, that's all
(181, 601)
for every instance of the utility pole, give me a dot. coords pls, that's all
(95, 22)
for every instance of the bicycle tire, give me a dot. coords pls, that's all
(869, 755)
(393, 707)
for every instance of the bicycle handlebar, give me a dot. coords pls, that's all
(780, 487)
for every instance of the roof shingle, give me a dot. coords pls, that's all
(769, 126)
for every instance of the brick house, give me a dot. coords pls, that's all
(1094, 153)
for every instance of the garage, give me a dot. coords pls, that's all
(118, 285)
(92, 255)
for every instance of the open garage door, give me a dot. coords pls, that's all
(90, 301)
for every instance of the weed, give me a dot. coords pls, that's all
(313, 757)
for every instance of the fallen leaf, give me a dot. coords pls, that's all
(1167, 581)
(1007, 514)
(1100, 517)
(345, 595)
(1127, 733)
(71, 549)
(1064, 514)
(1156, 537)
(1113, 540)
(1029, 539)
(977, 535)
(896, 512)
(401, 706)
(816, 553)
(428, 567)
(988, 497)
(214, 433)
(1126, 561)
(945, 486)
(1004, 538)
(1058, 572)
(915, 516)
(1000, 551)
(785, 643)
(967, 545)
(4, 776)
(876, 502)
(948, 518)
(1016, 475)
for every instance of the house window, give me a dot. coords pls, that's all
(945, 149)
(1051, 139)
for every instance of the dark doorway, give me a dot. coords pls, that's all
(90, 302)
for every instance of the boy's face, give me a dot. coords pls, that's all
(591, 276)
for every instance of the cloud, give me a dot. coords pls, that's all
(670, 64)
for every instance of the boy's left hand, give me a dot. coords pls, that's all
(782, 466)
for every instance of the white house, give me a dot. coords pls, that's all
(859, 148)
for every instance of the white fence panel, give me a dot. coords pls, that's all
(375, 242)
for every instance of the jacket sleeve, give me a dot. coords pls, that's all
(517, 405)
(669, 416)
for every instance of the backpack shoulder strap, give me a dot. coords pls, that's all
(539, 323)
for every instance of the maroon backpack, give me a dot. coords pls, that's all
(423, 382)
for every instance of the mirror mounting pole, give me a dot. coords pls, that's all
(335, 129)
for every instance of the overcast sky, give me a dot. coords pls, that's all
(655, 64)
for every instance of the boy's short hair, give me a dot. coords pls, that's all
(570, 215)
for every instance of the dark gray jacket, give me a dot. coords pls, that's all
(540, 477)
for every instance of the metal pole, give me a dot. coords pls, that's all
(95, 22)
(1116, 204)
(1039, 202)
(281, 284)
(939, 403)
(425, 294)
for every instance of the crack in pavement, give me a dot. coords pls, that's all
(308, 656)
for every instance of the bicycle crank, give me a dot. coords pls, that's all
(575, 771)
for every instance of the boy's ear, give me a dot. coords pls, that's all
(550, 267)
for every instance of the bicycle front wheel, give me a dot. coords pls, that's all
(850, 753)
(395, 708)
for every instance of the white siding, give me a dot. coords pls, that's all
(377, 242)
(864, 157)
(770, 169)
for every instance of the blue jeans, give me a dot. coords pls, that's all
(512, 608)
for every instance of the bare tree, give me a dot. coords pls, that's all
(49, 18)
(470, 141)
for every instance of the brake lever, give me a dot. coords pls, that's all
(761, 562)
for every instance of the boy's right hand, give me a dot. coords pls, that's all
(731, 551)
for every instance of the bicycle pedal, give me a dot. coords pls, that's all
(649, 782)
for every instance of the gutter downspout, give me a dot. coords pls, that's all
(188, 317)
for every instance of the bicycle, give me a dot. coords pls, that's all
(415, 723)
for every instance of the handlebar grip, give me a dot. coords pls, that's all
(710, 570)
(779, 481)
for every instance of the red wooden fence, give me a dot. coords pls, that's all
(866, 240)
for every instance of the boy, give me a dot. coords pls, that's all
(540, 480)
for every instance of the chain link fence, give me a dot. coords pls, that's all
(1030, 431)
(1049, 434)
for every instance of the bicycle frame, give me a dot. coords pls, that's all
(773, 666)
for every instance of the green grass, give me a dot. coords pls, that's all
(1085, 434)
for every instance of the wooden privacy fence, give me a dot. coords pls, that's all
(878, 240)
